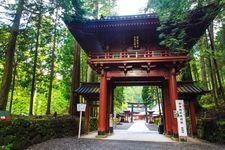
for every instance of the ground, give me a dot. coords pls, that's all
(137, 136)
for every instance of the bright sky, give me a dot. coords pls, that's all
(130, 7)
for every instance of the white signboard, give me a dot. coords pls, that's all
(81, 107)
(181, 121)
(110, 120)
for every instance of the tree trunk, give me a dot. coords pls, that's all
(96, 8)
(91, 76)
(203, 69)
(10, 52)
(213, 80)
(195, 71)
(74, 98)
(33, 86)
(212, 76)
(52, 66)
(158, 101)
(212, 44)
(13, 87)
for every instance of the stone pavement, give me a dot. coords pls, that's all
(97, 144)
(138, 131)
(139, 126)
(126, 137)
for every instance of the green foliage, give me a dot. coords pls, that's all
(149, 95)
(157, 121)
(145, 94)
(71, 8)
(93, 124)
(133, 94)
(212, 130)
(65, 59)
(19, 133)
(118, 99)
(170, 14)
(95, 8)
(63, 54)
(206, 101)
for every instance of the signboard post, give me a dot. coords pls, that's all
(80, 108)
(181, 120)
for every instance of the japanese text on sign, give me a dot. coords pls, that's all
(181, 121)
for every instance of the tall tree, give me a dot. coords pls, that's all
(118, 98)
(52, 63)
(74, 98)
(10, 52)
(33, 86)
(214, 62)
(13, 86)
(145, 94)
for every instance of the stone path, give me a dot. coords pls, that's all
(96, 144)
(138, 131)
(138, 126)
(126, 138)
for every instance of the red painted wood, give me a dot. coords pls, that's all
(102, 105)
(110, 105)
(173, 98)
(141, 53)
(139, 73)
(193, 117)
(167, 110)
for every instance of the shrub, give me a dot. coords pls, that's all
(20, 133)
(212, 130)
(157, 121)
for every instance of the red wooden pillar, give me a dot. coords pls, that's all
(167, 110)
(102, 105)
(173, 98)
(193, 117)
(87, 116)
(110, 107)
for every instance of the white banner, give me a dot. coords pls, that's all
(181, 120)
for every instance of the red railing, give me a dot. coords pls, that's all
(136, 54)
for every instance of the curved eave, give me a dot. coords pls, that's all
(90, 33)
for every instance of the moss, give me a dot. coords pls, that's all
(101, 136)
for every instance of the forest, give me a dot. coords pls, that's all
(41, 63)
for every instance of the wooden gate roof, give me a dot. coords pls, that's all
(94, 35)
(90, 91)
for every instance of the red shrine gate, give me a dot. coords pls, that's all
(125, 50)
